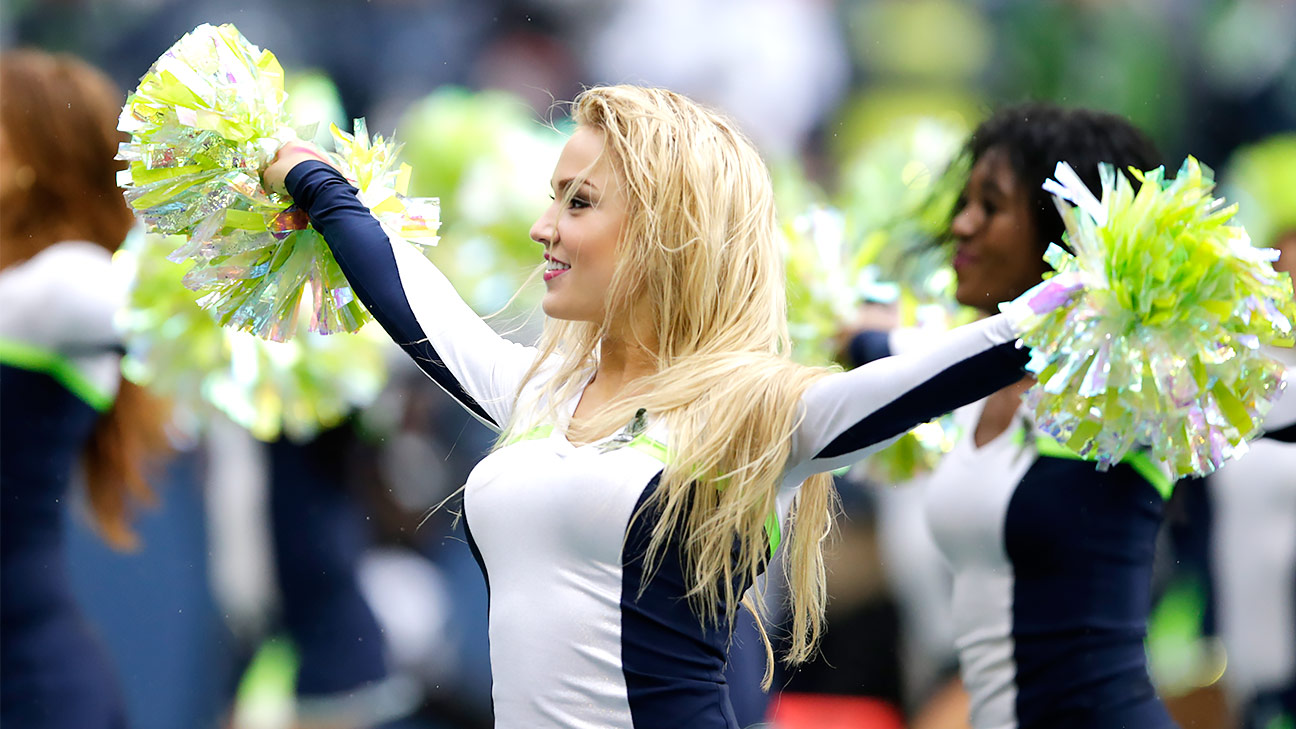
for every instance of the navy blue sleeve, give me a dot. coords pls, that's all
(968, 381)
(411, 299)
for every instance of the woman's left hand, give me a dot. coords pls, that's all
(289, 156)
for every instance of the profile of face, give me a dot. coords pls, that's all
(10, 170)
(998, 255)
(580, 237)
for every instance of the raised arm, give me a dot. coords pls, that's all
(411, 298)
(848, 414)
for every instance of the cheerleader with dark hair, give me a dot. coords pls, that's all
(1052, 559)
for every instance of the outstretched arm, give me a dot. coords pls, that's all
(846, 415)
(410, 298)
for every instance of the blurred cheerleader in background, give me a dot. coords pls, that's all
(64, 398)
(1253, 501)
(1052, 560)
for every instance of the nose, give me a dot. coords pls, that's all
(545, 229)
(965, 222)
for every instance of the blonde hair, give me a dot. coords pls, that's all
(699, 262)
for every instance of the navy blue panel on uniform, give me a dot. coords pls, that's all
(56, 674)
(967, 381)
(472, 545)
(1192, 530)
(1081, 550)
(673, 666)
(336, 212)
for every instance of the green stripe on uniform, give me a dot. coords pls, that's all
(657, 449)
(1140, 462)
(650, 446)
(536, 433)
(36, 359)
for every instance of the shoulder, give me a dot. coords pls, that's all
(69, 266)
(65, 292)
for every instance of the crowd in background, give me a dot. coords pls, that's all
(260, 557)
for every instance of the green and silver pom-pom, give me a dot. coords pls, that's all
(1150, 334)
(204, 122)
(175, 348)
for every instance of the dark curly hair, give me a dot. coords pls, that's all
(1036, 136)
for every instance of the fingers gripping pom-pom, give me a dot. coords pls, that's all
(204, 122)
(1149, 335)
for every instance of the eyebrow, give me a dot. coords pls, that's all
(991, 186)
(564, 183)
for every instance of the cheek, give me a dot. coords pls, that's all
(602, 251)
(1018, 258)
(974, 286)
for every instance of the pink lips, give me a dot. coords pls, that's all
(961, 260)
(551, 275)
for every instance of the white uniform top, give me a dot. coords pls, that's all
(56, 316)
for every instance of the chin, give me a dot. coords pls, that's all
(980, 300)
(555, 310)
(967, 298)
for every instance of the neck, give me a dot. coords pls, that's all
(621, 365)
(621, 362)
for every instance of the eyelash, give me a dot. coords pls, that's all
(576, 202)
(987, 206)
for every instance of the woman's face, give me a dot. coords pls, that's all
(580, 238)
(999, 255)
